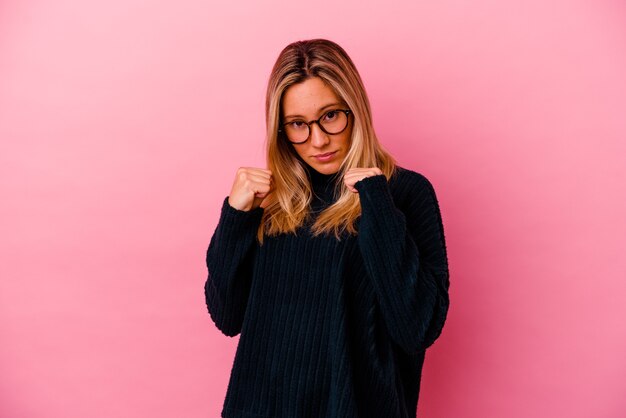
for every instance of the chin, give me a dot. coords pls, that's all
(326, 168)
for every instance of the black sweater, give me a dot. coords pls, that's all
(332, 328)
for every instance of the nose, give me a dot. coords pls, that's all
(318, 137)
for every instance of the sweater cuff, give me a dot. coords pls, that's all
(240, 220)
(375, 193)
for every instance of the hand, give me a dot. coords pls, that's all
(250, 188)
(355, 174)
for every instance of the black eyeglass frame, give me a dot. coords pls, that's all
(348, 112)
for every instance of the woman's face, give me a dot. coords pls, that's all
(307, 101)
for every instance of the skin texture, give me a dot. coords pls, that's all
(304, 101)
(250, 188)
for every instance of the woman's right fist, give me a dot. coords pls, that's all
(250, 188)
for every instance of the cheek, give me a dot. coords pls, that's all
(301, 151)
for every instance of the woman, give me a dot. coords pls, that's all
(331, 263)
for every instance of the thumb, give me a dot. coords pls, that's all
(266, 200)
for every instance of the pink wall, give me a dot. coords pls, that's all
(122, 124)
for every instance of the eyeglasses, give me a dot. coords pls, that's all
(332, 122)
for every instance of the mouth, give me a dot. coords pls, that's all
(325, 154)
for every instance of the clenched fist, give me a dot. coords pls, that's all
(355, 174)
(250, 188)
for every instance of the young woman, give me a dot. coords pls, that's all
(331, 262)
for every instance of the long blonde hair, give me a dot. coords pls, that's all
(287, 206)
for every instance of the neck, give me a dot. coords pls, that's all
(322, 184)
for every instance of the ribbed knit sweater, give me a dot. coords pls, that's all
(332, 328)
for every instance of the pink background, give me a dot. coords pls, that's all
(122, 124)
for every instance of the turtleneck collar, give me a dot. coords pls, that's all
(322, 184)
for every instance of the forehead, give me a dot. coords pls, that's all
(307, 97)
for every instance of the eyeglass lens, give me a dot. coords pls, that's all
(332, 122)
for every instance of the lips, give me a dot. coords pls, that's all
(324, 155)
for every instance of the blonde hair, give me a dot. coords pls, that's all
(287, 206)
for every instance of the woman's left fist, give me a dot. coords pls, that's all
(355, 174)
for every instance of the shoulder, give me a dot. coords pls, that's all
(413, 193)
(405, 182)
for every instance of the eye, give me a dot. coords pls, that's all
(331, 115)
(296, 124)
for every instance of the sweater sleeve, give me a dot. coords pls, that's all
(228, 260)
(405, 256)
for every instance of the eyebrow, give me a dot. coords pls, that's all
(320, 109)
